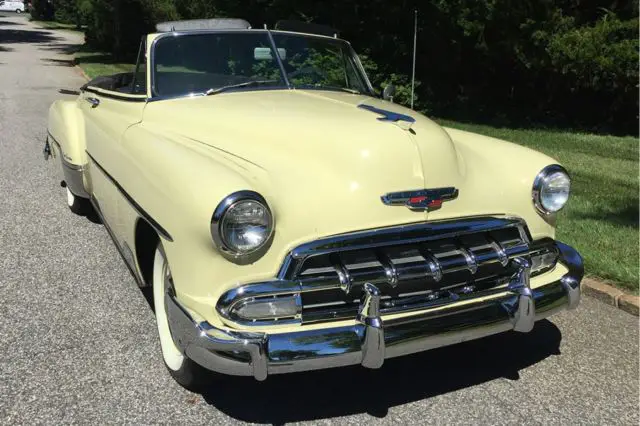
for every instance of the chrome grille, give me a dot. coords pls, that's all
(408, 274)
(414, 266)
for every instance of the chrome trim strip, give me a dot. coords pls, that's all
(131, 267)
(407, 234)
(152, 222)
(109, 94)
(369, 340)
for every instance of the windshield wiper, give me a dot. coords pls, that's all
(237, 86)
(344, 89)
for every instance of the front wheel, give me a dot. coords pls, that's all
(186, 372)
(18, 11)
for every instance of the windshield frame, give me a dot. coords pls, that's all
(285, 78)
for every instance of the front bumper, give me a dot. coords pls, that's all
(371, 339)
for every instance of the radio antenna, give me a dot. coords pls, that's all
(415, 43)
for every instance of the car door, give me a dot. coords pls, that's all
(108, 112)
(3, 5)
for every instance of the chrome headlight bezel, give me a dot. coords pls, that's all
(230, 253)
(541, 179)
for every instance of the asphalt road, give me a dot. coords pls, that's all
(78, 341)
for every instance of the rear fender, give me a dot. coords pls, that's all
(67, 142)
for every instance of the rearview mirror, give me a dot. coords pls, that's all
(264, 53)
(389, 92)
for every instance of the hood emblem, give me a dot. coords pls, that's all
(420, 199)
(388, 115)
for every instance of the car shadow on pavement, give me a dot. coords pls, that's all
(353, 390)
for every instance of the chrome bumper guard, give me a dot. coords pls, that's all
(371, 340)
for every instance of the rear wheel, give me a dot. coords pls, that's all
(78, 205)
(186, 372)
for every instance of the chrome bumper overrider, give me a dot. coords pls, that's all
(371, 339)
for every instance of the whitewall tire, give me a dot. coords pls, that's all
(186, 372)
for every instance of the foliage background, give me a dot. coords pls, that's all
(559, 63)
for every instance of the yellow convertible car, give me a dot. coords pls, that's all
(288, 219)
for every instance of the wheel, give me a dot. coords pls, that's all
(78, 205)
(18, 11)
(185, 371)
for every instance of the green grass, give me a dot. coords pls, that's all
(601, 219)
(95, 63)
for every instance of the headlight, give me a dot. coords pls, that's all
(242, 226)
(551, 189)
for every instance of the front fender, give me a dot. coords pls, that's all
(498, 178)
(179, 182)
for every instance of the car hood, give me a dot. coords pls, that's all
(317, 150)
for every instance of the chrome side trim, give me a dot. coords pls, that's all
(128, 259)
(146, 216)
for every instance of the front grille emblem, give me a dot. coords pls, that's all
(421, 199)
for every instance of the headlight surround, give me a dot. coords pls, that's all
(242, 227)
(551, 189)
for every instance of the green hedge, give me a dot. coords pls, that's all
(568, 63)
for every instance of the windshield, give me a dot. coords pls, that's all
(212, 63)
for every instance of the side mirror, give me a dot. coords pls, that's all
(389, 92)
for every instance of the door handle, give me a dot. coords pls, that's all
(93, 101)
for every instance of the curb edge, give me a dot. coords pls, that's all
(611, 295)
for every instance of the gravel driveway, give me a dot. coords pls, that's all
(78, 341)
